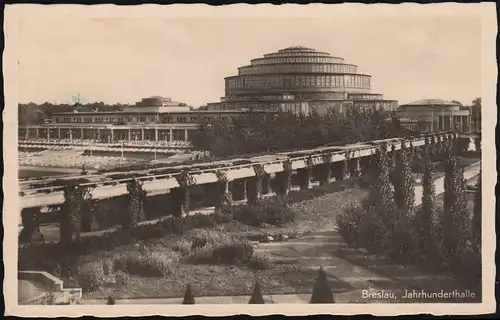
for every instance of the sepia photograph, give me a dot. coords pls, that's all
(330, 159)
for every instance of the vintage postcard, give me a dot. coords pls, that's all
(306, 159)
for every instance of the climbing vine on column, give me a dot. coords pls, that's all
(181, 198)
(255, 184)
(304, 175)
(30, 221)
(71, 211)
(135, 210)
(325, 169)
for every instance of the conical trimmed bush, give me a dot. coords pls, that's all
(188, 296)
(322, 292)
(257, 297)
(111, 300)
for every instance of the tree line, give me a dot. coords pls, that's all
(258, 133)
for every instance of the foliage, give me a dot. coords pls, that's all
(477, 217)
(265, 211)
(256, 297)
(111, 300)
(349, 223)
(233, 253)
(402, 241)
(426, 217)
(404, 193)
(147, 263)
(188, 296)
(455, 220)
(91, 276)
(136, 197)
(322, 292)
(256, 133)
(260, 262)
(29, 217)
(75, 198)
(121, 277)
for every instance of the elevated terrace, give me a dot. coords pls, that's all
(156, 181)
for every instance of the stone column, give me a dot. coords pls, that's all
(355, 170)
(186, 135)
(129, 134)
(112, 135)
(81, 133)
(26, 133)
(38, 133)
(98, 134)
(171, 136)
(70, 134)
(156, 134)
(142, 134)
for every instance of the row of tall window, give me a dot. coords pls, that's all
(296, 60)
(320, 68)
(344, 81)
(366, 97)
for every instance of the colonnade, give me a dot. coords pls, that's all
(105, 135)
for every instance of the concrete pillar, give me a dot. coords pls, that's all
(38, 133)
(70, 134)
(112, 135)
(129, 134)
(186, 135)
(81, 136)
(58, 133)
(171, 137)
(142, 134)
(304, 177)
(98, 134)
(156, 134)
(48, 134)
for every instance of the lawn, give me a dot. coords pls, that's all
(211, 278)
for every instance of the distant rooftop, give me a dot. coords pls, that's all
(431, 102)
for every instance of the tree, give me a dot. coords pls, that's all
(136, 195)
(477, 218)
(75, 198)
(188, 296)
(257, 297)
(322, 292)
(404, 193)
(426, 217)
(455, 220)
(30, 222)
(111, 300)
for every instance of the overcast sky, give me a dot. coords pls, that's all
(411, 52)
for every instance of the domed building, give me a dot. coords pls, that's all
(435, 115)
(299, 79)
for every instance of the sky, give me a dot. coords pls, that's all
(124, 54)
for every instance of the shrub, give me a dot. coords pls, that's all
(91, 276)
(402, 242)
(121, 277)
(239, 252)
(252, 215)
(349, 224)
(322, 292)
(182, 246)
(207, 237)
(188, 296)
(256, 297)
(148, 263)
(270, 211)
(110, 301)
(259, 262)
(373, 230)
(108, 266)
